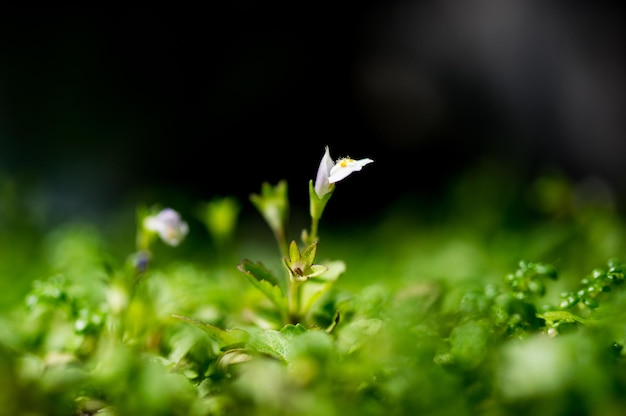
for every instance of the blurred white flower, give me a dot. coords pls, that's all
(169, 225)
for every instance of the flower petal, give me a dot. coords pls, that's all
(344, 167)
(322, 186)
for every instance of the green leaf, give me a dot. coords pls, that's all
(291, 330)
(294, 252)
(273, 204)
(259, 271)
(277, 344)
(334, 268)
(552, 317)
(469, 343)
(311, 345)
(224, 337)
(314, 288)
(316, 270)
(264, 280)
(308, 255)
(356, 333)
(272, 343)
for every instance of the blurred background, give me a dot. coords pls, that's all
(105, 106)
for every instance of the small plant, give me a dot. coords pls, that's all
(304, 282)
(302, 273)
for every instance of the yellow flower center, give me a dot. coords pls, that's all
(344, 162)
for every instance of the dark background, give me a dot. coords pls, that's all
(100, 106)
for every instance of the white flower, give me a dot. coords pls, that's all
(330, 172)
(322, 185)
(345, 167)
(169, 225)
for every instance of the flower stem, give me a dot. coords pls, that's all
(294, 301)
(314, 229)
(282, 243)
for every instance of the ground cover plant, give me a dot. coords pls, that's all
(509, 303)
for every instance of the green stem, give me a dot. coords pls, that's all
(314, 229)
(294, 301)
(282, 243)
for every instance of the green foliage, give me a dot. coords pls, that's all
(427, 313)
